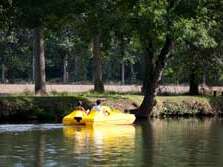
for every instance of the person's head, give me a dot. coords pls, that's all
(80, 103)
(98, 102)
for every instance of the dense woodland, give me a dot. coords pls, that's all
(144, 42)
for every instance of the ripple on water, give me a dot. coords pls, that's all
(167, 143)
(15, 128)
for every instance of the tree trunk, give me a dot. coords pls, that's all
(122, 49)
(153, 73)
(40, 74)
(123, 73)
(33, 60)
(194, 85)
(97, 61)
(3, 73)
(133, 75)
(33, 67)
(204, 78)
(148, 67)
(148, 101)
(75, 69)
(65, 73)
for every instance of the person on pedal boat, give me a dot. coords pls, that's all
(98, 107)
(80, 106)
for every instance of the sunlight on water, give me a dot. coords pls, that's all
(105, 143)
(27, 127)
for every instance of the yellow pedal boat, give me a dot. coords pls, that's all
(107, 115)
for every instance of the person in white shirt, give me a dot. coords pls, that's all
(97, 107)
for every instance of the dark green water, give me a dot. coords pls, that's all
(180, 143)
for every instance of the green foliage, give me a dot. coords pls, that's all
(126, 28)
(49, 109)
(195, 32)
(15, 54)
(185, 106)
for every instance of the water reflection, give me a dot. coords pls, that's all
(187, 142)
(144, 147)
(184, 142)
(40, 148)
(101, 145)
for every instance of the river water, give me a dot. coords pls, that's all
(167, 143)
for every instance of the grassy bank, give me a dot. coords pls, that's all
(41, 109)
(53, 108)
(178, 106)
(186, 106)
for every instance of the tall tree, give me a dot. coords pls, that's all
(6, 17)
(39, 16)
(33, 15)
(157, 25)
(40, 74)
(95, 23)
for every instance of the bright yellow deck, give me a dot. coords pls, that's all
(106, 116)
(77, 117)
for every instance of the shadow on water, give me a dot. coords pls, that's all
(40, 148)
(145, 142)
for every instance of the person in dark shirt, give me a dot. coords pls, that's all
(79, 106)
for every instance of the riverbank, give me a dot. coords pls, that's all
(36, 109)
(53, 108)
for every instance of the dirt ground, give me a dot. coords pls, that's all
(22, 88)
(167, 89)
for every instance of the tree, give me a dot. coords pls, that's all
(95, 24)
(197, 46)
(32, 15)
(157, 23)
(39, 16)
(15, 55)
(6, 12)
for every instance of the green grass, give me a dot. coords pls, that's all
(47, 108)
(179, 99)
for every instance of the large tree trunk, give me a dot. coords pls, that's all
(97, 61)
(40, 74)
(153, 73)
(148, 65)
(194, 84)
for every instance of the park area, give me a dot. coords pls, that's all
(111, 83)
